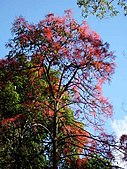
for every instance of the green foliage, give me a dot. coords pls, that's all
(9, 100)
(98, 162)
(21, 148)
(27, 142)
(102, 8)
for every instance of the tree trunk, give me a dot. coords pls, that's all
(55, 148)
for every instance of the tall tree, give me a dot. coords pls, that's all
(51, 88)
(102, 8)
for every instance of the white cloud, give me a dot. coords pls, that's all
(120, 127)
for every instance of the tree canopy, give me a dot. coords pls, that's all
(102, 8)
(51, 93)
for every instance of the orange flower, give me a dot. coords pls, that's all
(48, 33)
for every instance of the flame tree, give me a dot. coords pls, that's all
(51, 88)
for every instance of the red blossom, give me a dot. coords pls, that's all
(12, 120)
(48, 33)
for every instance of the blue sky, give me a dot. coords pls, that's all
(112, 30)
